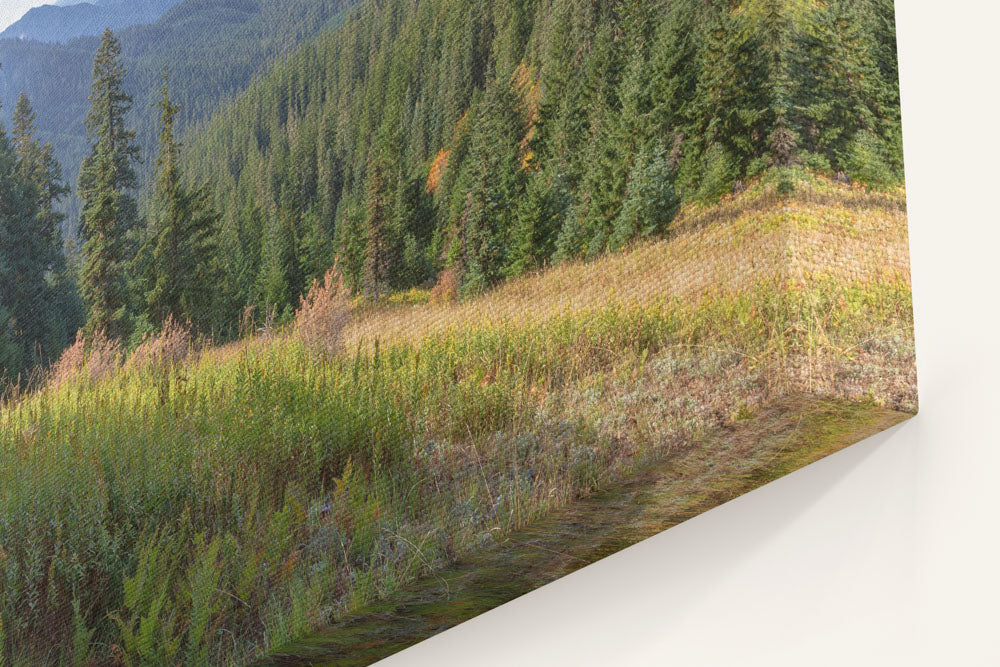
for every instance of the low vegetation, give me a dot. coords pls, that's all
(226, 503)
(729, 461)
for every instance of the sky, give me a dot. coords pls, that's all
(12, 10)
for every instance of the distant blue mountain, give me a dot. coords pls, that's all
(65, 20)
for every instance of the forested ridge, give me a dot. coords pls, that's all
(457, 144)
(62, 22)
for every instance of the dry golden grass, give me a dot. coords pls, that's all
(69, 363)
(824, 230)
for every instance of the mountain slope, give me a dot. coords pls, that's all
(52, 23)
(270, 486)
(498, 138)
(211, 48)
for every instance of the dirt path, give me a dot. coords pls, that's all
(785, 437)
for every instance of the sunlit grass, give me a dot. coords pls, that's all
(204, 511)
(727, 248)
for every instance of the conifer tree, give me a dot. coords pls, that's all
(39, 165)
(562, 123)
(650, 202)
(36, 305)
(746, 95)
(55, 315)
(378, 252)
(881, 25)
(621, 132)
(181, 248)
(107, 176)
(23, 133)
(315, 247)
(39, 254)
(413, 225)
(349, 241)
(239, 251)
(17, 289)
(278, 278)
(674, 71)
(496, 181)
(540, 215)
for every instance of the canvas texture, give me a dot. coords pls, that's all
(327, 326)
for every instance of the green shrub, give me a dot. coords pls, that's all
(866, 161)
(718, 174)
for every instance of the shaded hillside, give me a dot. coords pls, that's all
(52, 23)
(212, 49)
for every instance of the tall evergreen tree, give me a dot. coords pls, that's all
(349, 241)
(36, 311)
(379, 258)
(541, 213)
(413, 225)
(622, 129)
(107, 177)
(674, 71)
(746, 103)
(55, 315)
(181, 270)
(496, 182)
(18, 289)
(650, 202)
(39, 165)
(278, 281)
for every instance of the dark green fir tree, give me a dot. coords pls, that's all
(107, 178)
(181, 247)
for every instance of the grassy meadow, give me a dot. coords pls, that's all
(204, 505)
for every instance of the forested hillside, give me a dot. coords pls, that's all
(484, 139)
(55, 23)
(212, 48)
(441, 142)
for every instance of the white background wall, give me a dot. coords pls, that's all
(887, 553)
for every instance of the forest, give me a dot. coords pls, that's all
(488, 140)
(442, 143)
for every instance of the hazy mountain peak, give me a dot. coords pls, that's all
(67, 19)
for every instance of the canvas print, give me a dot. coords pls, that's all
(327, 325)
